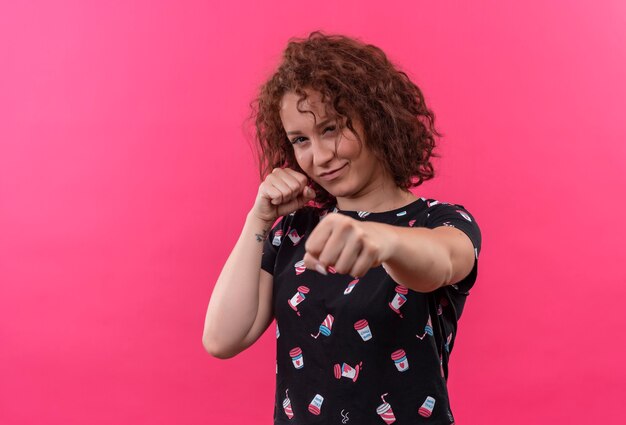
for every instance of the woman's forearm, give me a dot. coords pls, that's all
(234, 302)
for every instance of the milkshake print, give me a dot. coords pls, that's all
(347, 371)
(427, 407)
(315, 406)
(326, 326)
(385, 411)
(351, 286)
(362, 327)
(428, 329)
(399, 299)
(287, 405)
(400, 360)
(297, 358)
(298, 298)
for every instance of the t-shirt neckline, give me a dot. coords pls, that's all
(381, 214)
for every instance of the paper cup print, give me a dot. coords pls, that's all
(277, 236)
(315, 406)
(347, 371)
(351, 286)
(325, 327)
(298, 298)
(297, 358)
(293, 235)
(385, 411)
(362, 327)
(287, 406)
(399, 299)
(300, 268)
(427, 407)
(399, 358)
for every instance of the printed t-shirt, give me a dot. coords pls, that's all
(366, 350)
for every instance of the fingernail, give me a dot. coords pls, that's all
(321, 269)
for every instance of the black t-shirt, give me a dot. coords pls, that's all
(362, 351)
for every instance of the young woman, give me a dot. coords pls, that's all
(365, 280)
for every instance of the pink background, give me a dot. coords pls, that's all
(125, 177)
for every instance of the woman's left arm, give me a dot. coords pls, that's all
(425, 259)
(419, 258)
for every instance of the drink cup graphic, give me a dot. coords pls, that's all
(298, 298)
(399, 299)
(429, 326)
(351, 286)
(315, 406)
(347, 371)
(428, 329)
(385, 411)
(399, 358)
(293, 235)
(287, 406)
(277, 236)
(300, 268)
(325, 327)
(362, 327)
(427, 407)
(297, 358)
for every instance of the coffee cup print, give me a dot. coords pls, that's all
(326, 326)
(315, 406)
(399, 299)
(362, 327)
(297, 358)
(300, 267)
(385, 411)
(351, 286)
(347, 371)
(293, 235)
(400, 360)
(427, 407)
(287, 405)
(277, 236)
(298, 298)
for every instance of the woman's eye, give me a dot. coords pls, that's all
(327, 129)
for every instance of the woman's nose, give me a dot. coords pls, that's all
(323, 151)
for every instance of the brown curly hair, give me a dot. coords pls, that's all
(353, 78)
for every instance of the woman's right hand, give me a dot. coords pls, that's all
(282, 192)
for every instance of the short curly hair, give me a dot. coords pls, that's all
(353, 78)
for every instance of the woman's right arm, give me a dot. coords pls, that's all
(240, 308)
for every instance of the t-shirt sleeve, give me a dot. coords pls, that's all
(456, 215)
(271, 245)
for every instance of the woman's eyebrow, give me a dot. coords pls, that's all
(323, 123)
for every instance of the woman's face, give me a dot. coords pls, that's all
(350, 173)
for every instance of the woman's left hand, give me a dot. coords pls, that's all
(348, 245)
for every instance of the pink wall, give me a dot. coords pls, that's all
(125, 178)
